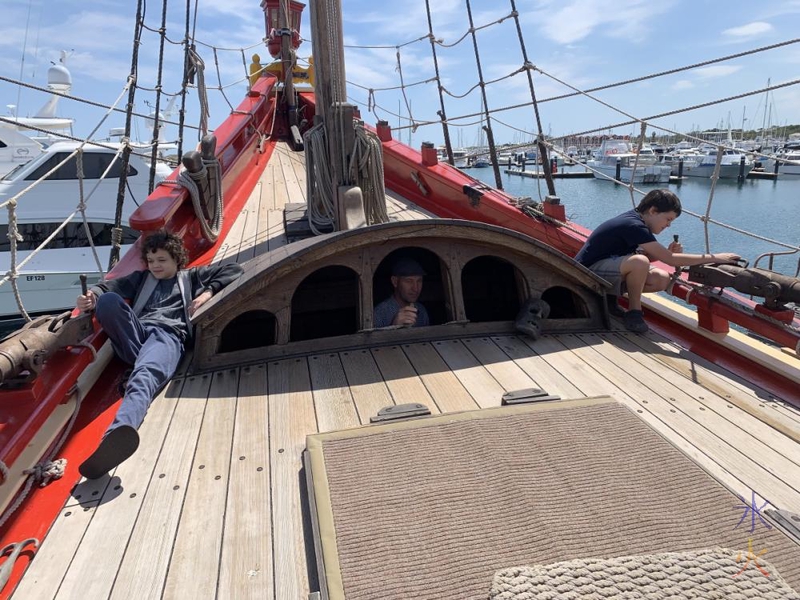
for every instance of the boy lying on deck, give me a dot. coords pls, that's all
(620, 251)
(150, 334)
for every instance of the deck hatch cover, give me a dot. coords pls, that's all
(432, 508)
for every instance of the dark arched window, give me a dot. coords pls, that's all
(491, 289)
(253, 329)
(325, 304)
(565, 304)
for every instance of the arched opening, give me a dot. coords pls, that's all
(432, 296)
(565, 304)
(253, 329)
(325, 304)
(491, 288)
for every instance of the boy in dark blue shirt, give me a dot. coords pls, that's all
(620, 251)
(149, 334)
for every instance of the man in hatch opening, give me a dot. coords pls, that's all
(402, 308)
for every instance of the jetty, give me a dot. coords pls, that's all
(560, 174)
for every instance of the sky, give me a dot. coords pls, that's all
(583, 43)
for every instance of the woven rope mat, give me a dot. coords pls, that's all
(431, 510)
(702, 574)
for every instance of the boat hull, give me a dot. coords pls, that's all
(653, 174)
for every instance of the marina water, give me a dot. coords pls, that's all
(768, 208)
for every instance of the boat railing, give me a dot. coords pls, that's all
(770, 256)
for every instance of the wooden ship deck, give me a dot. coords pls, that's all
(211, 505)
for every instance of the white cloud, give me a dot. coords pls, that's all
(749, 31)
(571, 21)
(683, 84)
(715, 71)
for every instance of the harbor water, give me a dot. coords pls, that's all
(770, 209)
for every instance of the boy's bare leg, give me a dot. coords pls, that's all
(634, 271)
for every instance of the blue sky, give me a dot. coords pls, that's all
(582, 42)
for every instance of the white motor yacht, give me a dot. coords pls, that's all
(49, 281)
(616, 160)
(788, 161)
(730, 167)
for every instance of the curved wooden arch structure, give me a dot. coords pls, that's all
(270, 284)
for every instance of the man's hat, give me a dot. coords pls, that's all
(407, 267)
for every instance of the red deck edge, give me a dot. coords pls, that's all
(242, 158)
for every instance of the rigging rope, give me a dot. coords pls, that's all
(366, 171)
(442, 111)
(485, 104)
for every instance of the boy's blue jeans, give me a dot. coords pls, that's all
(153, 351)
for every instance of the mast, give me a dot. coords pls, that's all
(336, 114)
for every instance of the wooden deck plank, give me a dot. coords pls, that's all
(729, 385)
(250, 232)
(233, 240)
(370, 393)
(294, 189)
(646, 389)
(281, 191)
(109, 531)
(402, 380)
(333, 401)
(473, 375)
(291, 419)
(750, 422)
(54, 556)
(406, 209)
(766, 456)
(194, 568)
(270, 182)
(444, 387)
(510, 376)
(146, 562)
(246, 562)
(275, 234)
(298, 162)
(545, 376)
(261, 245)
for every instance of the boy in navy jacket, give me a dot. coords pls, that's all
(149, 333)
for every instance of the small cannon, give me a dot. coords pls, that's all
(29, 347)
(775, 288)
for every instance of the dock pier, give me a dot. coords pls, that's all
(561, 174)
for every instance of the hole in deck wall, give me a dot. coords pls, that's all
(432, 296)
(565, 304)
(253, 329)
(325, 304)
(492, 289)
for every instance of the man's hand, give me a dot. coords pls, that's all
(86, 302)
(199, 301)
(406, 316)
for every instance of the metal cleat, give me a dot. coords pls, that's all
(15, 549)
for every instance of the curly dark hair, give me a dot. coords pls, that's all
(663, 200)
(164, 240)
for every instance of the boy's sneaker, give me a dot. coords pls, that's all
(634, 321)
(614, 309)
(118, 445)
